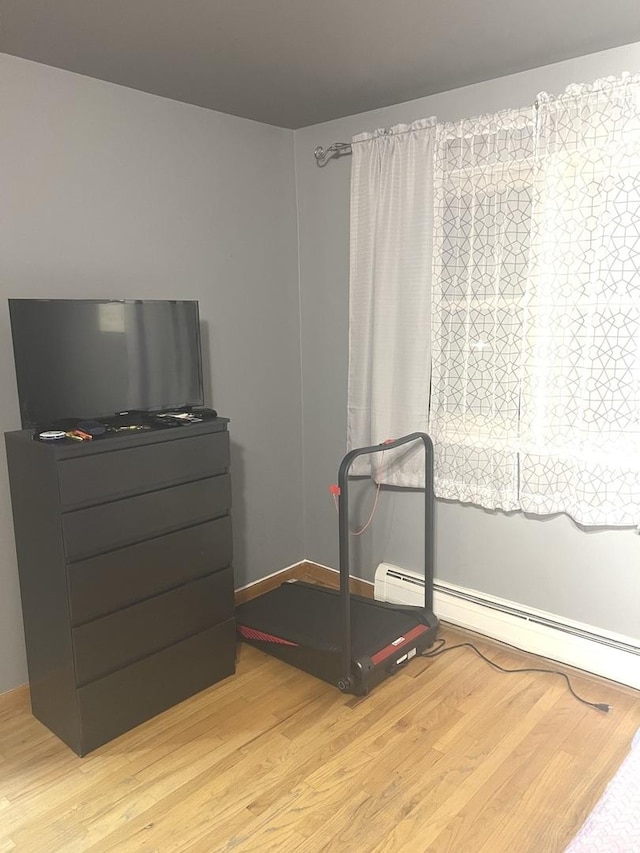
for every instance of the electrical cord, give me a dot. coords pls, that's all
(441, 649)
(335, 491)
(371, 514)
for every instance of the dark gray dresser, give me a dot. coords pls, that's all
(124, 557)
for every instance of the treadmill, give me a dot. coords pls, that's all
(350, 641)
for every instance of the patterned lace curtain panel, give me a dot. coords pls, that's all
(533, 219)
(483, 193)
(536, 326)
(580, 411)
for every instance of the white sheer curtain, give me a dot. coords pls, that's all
(390, 273)
(580, 418)
(483, 189)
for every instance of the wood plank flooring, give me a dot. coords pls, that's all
(448, 755)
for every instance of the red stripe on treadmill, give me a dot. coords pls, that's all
(252, 634)
(397, 645)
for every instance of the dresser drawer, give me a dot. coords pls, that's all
(97, 529)
(110, 581)
(114, 704)
(101, 477)
(114, 641)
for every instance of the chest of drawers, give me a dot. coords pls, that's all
(124, 557)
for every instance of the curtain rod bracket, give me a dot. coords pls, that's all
(338, 149)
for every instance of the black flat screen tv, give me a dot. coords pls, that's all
(80, 359)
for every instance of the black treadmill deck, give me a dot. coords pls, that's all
(301, 624)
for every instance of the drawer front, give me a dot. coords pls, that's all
(114, 704)
(95, 530)
(110, 581)
(92, 479)
(117, 640)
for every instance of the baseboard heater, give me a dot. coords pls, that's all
(604, 653)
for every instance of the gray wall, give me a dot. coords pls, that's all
(108, 192)
(548, 563)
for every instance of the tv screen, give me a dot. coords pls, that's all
(79, 359)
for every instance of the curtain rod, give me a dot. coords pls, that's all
(340, 149)
(343, 149)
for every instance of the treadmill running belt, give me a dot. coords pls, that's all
(310, 615)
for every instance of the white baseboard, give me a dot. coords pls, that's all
(272, 575)
(588, 648)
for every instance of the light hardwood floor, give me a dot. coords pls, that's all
(448, 755)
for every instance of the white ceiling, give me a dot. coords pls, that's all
(293, 63)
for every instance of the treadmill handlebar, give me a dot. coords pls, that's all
(343, 532)
(389, 444)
